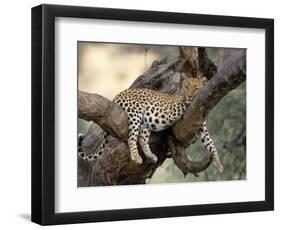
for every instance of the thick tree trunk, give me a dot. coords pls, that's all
(115, 166)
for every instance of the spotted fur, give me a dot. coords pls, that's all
(152, 111)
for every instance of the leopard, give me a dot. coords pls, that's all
(150, 110)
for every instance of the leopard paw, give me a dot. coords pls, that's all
(136, 158)
(153, 159)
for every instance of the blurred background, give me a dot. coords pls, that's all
(107, 69)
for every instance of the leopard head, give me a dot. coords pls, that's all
(190, 86)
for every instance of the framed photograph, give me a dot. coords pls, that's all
(142, 114)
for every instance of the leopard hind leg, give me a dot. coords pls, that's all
(144, 143)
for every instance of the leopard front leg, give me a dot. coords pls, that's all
(134, 127)
(210, 146)
(144, 143)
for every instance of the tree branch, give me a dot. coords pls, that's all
(112, 118)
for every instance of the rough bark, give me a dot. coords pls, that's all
(115, 165)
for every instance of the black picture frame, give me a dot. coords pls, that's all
(43, 113)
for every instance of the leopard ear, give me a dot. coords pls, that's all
(185, 82)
